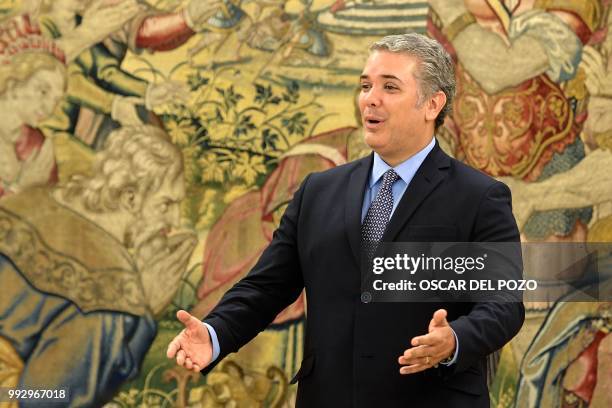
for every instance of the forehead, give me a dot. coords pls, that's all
(52, 77)
(172, 187)
(386, 63)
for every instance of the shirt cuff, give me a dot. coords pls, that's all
(215, 341)
(454, 359)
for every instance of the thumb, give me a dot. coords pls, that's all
(190, 322)
(439, 319)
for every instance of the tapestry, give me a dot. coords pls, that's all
(149, 148)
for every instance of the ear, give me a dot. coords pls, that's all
(130, 200)
(434, 105)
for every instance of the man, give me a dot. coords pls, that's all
(77, 309)
(376, 354)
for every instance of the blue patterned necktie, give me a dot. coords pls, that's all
(377, 217)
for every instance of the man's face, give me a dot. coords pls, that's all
(159, 215)
(164, 204)
(393, 124)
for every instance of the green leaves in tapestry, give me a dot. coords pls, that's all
(232, 134)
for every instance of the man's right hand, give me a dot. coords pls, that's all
(192, 347)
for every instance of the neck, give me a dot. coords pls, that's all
(393, 159)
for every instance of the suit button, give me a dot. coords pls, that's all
(366, 297)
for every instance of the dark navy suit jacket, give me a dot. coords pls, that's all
(351, 348)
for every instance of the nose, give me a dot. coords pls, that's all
(372, 97)
(50, 104)
(173, 216)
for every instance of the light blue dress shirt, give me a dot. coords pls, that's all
(406, 171)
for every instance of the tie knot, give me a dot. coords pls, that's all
(389, 178)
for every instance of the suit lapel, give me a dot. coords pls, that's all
(354, 202)
(426, 179)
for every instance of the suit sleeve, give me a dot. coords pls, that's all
(273, 284)
(490, 325)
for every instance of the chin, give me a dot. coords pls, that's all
(376, 142)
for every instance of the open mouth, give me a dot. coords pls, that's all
(373, 123)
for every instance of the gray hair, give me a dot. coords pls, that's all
(134, 157)
(436, 71)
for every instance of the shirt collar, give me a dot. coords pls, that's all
(405, 169)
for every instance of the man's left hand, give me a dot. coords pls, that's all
(430, 349)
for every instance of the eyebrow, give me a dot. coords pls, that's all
(385, 76)
(171, 199)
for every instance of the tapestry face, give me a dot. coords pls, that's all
(148, 150)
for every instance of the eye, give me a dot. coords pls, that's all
(391, 87)
(365, 87)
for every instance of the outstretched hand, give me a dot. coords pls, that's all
(192, 347)
(430, 349)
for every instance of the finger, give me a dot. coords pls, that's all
(416, 353)
(182, 244)
(190, 322)
(593, 65)
(593, 54)
(439, 317)
(413, 369)
(188, 363)
(589, 59)
(180, 357)
(173, 347)
(189, 241)
(593, 71)
(426, 360)
(405, 361)
(593, 61)
(178, 254)
(196, 368)
(430, 339)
